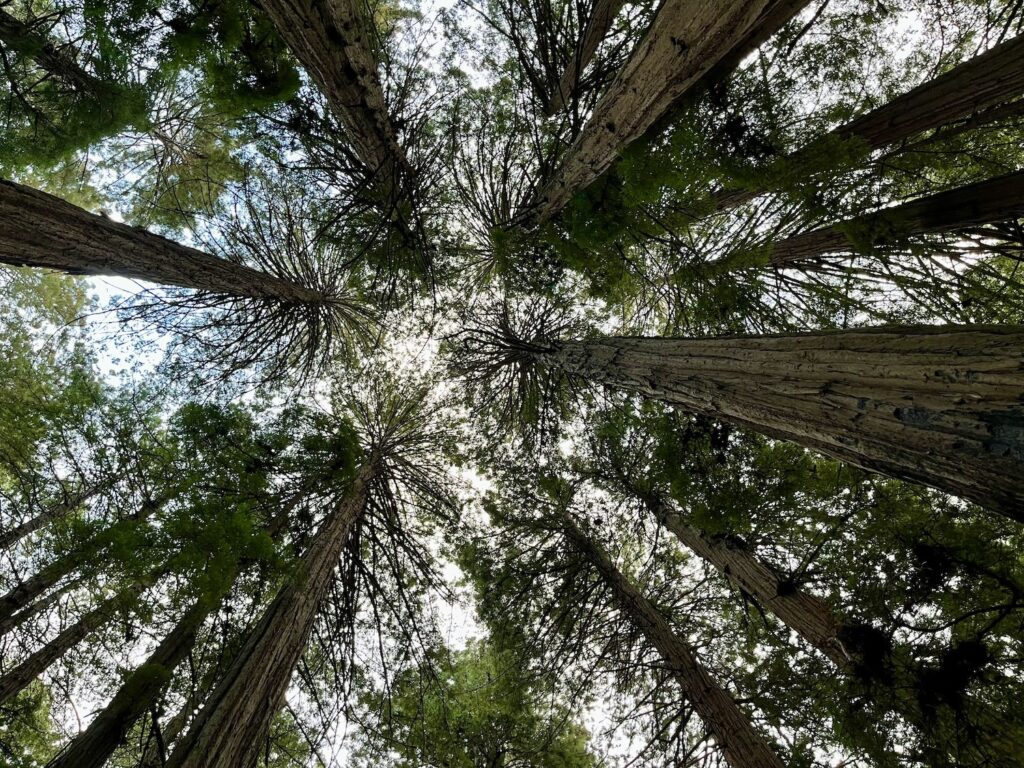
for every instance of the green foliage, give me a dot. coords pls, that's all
(27, 736)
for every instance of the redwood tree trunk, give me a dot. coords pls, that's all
(686, 39)
(40, 230)
(741, 744)
(15, 681)
(331, 40)
(21, 36)
(67, 505)
(975, 92)
(984, 202)
(807, 615)
(233, 724)
(601, 18)
(938, 405)
(93, 747)
(16, 620)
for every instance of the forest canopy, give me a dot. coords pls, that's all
(512, 384)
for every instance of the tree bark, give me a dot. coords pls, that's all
(67, 505)
(93, 747)
(602, 16)
(19, 618)
(807, 615)
(40, 230)
(20, 36)
(330, 39)
(686, 40)
(741, 744)
(15, 681)
(235, 721)
(984, 202)
(938, 405)
(974, 91)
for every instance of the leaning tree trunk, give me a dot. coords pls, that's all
(809, 616)
(136, 696)
(686, 39)
(938, 405)
(14, 621)
(40, 230)
(984, 202)
(331, 40)
(235, 721)
(602, 16)
(16, 680)
(741, 744)
(69, 504)
(974, 92)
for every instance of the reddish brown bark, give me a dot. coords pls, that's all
(733, 732)
(235, 721)
(40, 230)
(686, 40)
(602, 16)
(938, 405)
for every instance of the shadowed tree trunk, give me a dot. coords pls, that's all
(15, 681)
(733, 732)
(686, 40)
(234, 723)
(40, 230)
(137, 695)
(70, 503)
(154, 755)
(601, 18)
(15, 621)
(984, 202)
(807, 615)
(331, 40)
(938, 405)
(973, 92)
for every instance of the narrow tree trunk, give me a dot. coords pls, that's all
(15, 681)
(331, 40)
(70, 503)
(40, 230)
(686, 39)
(984, 202)
(235, 721)
(96, 744)
(13, 622)
(602, 16)
(974, 91)
(938, 405)
(151, 755)
(741, 744)
(20, 36)
(807, 615)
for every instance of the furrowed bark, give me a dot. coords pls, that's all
(18, 678)
(96, 744)
(55, 511)
(974, 92)
(600, 21)
(20, 36)
(984, 202)
(40, 230)
(807, 615)
(937, 405)
(233, 724)
(686, 40)
(741, 744)
(330, 39)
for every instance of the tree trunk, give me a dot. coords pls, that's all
(93, 747)
(67, 505)
(686, 39)
(807, 615)
(974, 91)
(13, 622)
(20, 36)
(235, 721)
(938, 405)
(601, 18)
(40, 230)
(984, 202)
(741, 744)
(331, 40)
(15, 681)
